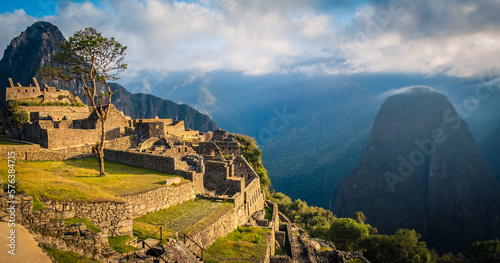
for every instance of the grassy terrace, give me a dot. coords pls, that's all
(78, 180)
(188, 217)
(245, 244)
(10, 143)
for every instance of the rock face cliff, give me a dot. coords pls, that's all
(421, 170)
(34, 48)
(490, 150)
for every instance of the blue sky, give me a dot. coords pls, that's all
(37, 8)
(454, 37)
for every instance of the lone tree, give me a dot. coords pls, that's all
(94, 60)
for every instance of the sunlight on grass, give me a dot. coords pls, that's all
(187, 217)
(244, 242)
(11, 143)
(144, 230)
(67, 256)
(120, 244)
(78, 180)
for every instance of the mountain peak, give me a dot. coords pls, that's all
(28, 51)
(421, 170)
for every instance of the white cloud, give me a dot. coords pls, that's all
(12, 24)
(257, 37)
(407, 89)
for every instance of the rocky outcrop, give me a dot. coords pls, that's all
(421, 170)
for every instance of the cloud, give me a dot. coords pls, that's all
(12, 24)
(456, 37)
(407, 89)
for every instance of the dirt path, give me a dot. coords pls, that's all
(27, 249)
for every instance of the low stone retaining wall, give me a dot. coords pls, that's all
(73, 152)
(149, 161)
(54, 233)
(161, 198)
(20, 150)
(220, 228)
(76, 238)
(114, 219)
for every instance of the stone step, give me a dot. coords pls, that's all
(151, 242)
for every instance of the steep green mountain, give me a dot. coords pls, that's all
(489, 148)
(421, 170)
(34, 48)
(323, 142)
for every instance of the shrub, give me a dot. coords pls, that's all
(18, 118)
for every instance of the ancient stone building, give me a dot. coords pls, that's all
(47, 94)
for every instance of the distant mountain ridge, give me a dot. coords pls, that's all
(34, 48)
(421, 170)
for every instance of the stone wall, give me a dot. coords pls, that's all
(281, 259)
(57, 138)
(23, 207)
(243, 169)
(75, 238)
(218, 178)
(228, 148)
(122, 143)
(160, 198)
(63, 138)
(114, 219)
(175, 128)
(56, 112)
(158, 163)
(54, 233)
(149, 161)
(20, 150)
(149, 129)
(290, 241)
(223, 226)
(208, 148)
(83, 151)
(17, 92)
(254, 197)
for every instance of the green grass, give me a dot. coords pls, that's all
(120, 244)
(11, 143)
(269, 213)
(211, 218)
(239, 244)
(279, 252)
(77, 220)
(37, 204)
(68, 257)
(188, 217)
(143, 230)
(79, 180)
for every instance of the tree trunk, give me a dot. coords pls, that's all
(100, 149)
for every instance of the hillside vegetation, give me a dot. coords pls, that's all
(355, 234)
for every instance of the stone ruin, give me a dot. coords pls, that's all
(211, 161)
(46, 94)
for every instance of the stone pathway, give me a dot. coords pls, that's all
(302, 251)
(27, 249)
